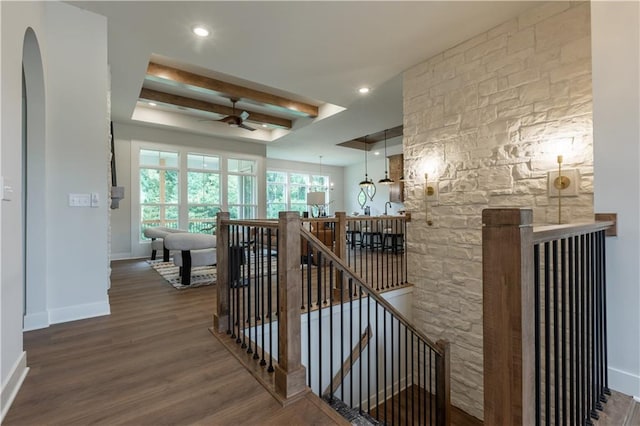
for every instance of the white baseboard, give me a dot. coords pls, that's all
(78, 312)
(624, 381)
(35, 321)
(12, 386)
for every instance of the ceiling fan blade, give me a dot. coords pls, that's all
(244, 115)
(227, 119)
(244, 126)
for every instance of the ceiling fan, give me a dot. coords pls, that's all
(235, 120)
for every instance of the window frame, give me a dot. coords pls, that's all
(139, 247)
(309, 186)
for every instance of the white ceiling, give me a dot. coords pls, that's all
(316, 50)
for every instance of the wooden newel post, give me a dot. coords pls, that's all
(290, 374)
(221, 317)
(443, 367)
(508, 310)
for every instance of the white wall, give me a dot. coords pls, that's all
(616, 121)
(73, 44)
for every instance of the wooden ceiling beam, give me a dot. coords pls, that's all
(373, 138)
(196, 104)
(163, 73)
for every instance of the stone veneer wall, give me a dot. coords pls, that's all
(488, 115)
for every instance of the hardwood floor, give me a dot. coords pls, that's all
(151, 362)
(620, 410)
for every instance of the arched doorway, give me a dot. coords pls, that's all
(34, 185)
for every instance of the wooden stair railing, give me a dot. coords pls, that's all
(259, 310)
(544, 319)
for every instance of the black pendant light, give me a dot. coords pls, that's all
(386, 180)
(366, 183)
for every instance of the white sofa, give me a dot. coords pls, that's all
(157, 235)
(191, 250)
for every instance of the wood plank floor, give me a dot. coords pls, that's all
(151, 362)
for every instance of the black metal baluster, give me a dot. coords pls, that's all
(438, 413)
(536, 301)
(580, 417)
(360, 357)
(556, 336)
(413, 385)
(258, 276)
(595, 402)
(384, 351)
(430, 394)
(563, 306)
(597, 394)
(309, 302)
(270, 369)
(350, 342)
(419, 388)
(342, 339)
(377, 355)
(572, 333)
(587, 330)
(547, 336)
(369, 344)
(392, 365)
(399, 398)
(583, 322)
(249, 282)
(406, 375)
(263, 318)
(320, 355)
(605, 365)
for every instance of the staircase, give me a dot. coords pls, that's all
(317, 321)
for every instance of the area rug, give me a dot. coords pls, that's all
(200, 275)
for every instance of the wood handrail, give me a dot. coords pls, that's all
(509, 307)
(546, 233)
(349, 273)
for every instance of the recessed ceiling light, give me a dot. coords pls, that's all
(364, 90)
(200, 31)
(376, 153)
(152, 104)
(264, 125)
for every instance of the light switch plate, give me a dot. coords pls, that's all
(79, 200)
(569, 191)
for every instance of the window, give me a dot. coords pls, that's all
(203, 186)
(288, 191)
(277, 199)
(241, 189)
(159, 189)
(185, 189)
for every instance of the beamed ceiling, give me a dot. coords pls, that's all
(213, 99)
(294, 67)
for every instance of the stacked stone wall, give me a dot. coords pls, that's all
(485, 119)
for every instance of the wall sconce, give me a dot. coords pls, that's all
(430, 196)
(563, 183)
